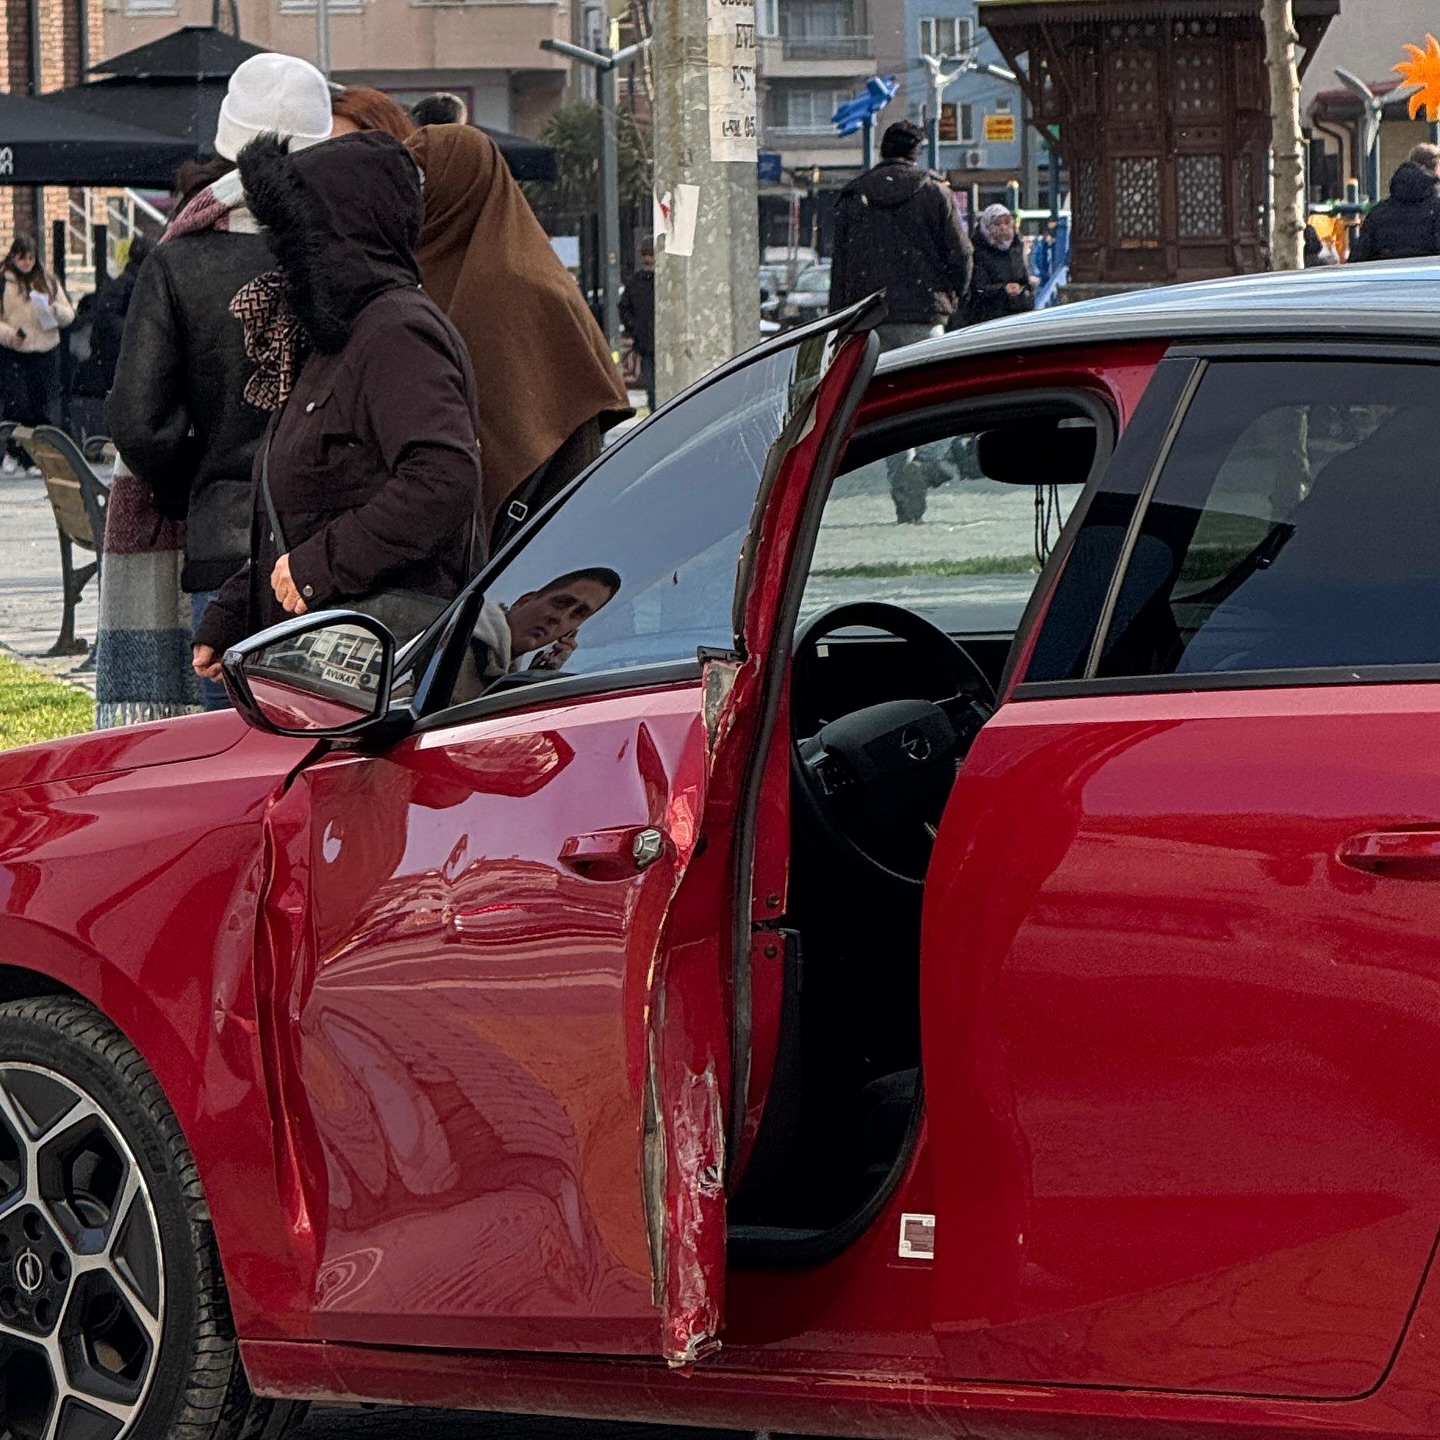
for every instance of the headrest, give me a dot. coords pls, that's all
(1043, 453)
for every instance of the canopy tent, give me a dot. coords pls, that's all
(47, 144)
(186, 109)
(527, 159)
(175, 84)
(194, 52)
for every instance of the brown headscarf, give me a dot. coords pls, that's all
(542, 366)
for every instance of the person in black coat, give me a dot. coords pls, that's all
(897, 229)
(1002, 284)
(637, 315)
(177, 411)
(1408, 223)
(368, 486)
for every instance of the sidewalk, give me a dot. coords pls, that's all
(31, 599)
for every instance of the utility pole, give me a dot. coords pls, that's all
(322, 37)
(605, 62)
(1287, 160)
(707, 291)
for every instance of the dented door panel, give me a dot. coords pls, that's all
(472, 1026)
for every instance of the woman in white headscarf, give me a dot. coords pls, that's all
(1002, 283)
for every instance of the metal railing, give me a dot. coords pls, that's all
(126, 214)
(826, 47)
(821, 136)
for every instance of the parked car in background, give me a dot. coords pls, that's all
(808, 298)
(975, 977)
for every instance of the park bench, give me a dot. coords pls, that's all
(78, 498)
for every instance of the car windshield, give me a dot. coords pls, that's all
(814, 281)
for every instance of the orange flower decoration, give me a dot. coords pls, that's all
(1423, 69)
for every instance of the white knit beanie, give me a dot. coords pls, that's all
(273, 94)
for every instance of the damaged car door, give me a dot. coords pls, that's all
(499, 949)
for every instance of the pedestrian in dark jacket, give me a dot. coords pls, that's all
(1003, 284)
(1408, 223)
(897, 229)
(637, 315)
(370, 459)
(177, 410)
(109, 307)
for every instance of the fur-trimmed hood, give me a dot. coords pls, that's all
(343, 219)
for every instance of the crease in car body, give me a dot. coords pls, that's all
(283, 952)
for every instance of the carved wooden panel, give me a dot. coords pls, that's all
(1137, 199)
(1200, 196)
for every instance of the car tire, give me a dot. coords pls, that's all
(113, 1312)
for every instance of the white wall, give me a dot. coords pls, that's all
(1369, 37)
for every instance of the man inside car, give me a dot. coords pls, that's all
(543, 621)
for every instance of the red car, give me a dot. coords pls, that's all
(755, 962)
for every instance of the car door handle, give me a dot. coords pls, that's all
(1404, 854)
(613, 854)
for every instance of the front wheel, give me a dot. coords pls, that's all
(114, 1323)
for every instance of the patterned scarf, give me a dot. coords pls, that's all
(220, 206)
(274, 339)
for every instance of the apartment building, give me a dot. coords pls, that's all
(48, 45)
(487, 51)
(982, 120)
(813, 55)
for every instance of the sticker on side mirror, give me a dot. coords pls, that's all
(917, 1237)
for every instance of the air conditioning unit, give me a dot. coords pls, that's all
(974, 159)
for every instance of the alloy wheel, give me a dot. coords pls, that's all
(82, 1281)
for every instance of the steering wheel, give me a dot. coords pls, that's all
(877, 779)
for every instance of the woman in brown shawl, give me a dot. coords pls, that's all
(548, 384)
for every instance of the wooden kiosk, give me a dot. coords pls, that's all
(1161, 108)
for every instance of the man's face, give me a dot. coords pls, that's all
(647, 259)
(540, 617)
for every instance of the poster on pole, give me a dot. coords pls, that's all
(734, 133)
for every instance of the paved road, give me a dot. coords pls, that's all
(31, 602)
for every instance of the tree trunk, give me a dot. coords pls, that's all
(1287, 165)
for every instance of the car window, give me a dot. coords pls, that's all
(638, 566)
(925, 527)
(1292, 527)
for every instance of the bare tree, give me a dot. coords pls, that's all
(1287, 165)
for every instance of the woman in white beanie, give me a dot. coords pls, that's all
(178, 412)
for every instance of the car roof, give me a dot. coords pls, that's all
(1395, 299)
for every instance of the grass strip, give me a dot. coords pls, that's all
(35, 707)
(945, 569)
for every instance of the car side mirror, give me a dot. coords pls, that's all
(322, 676)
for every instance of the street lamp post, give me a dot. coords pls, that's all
(941, 80)
(1374, 113)
(605, 62)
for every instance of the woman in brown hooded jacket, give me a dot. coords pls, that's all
(547, 383)
(370, 457)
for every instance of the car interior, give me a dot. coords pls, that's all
(903, 634)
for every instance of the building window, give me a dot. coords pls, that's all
(767, 18)
(946, 35)
(307, 7)
(816, 20)
(808, 111)
(152, 7)
(957, 123)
